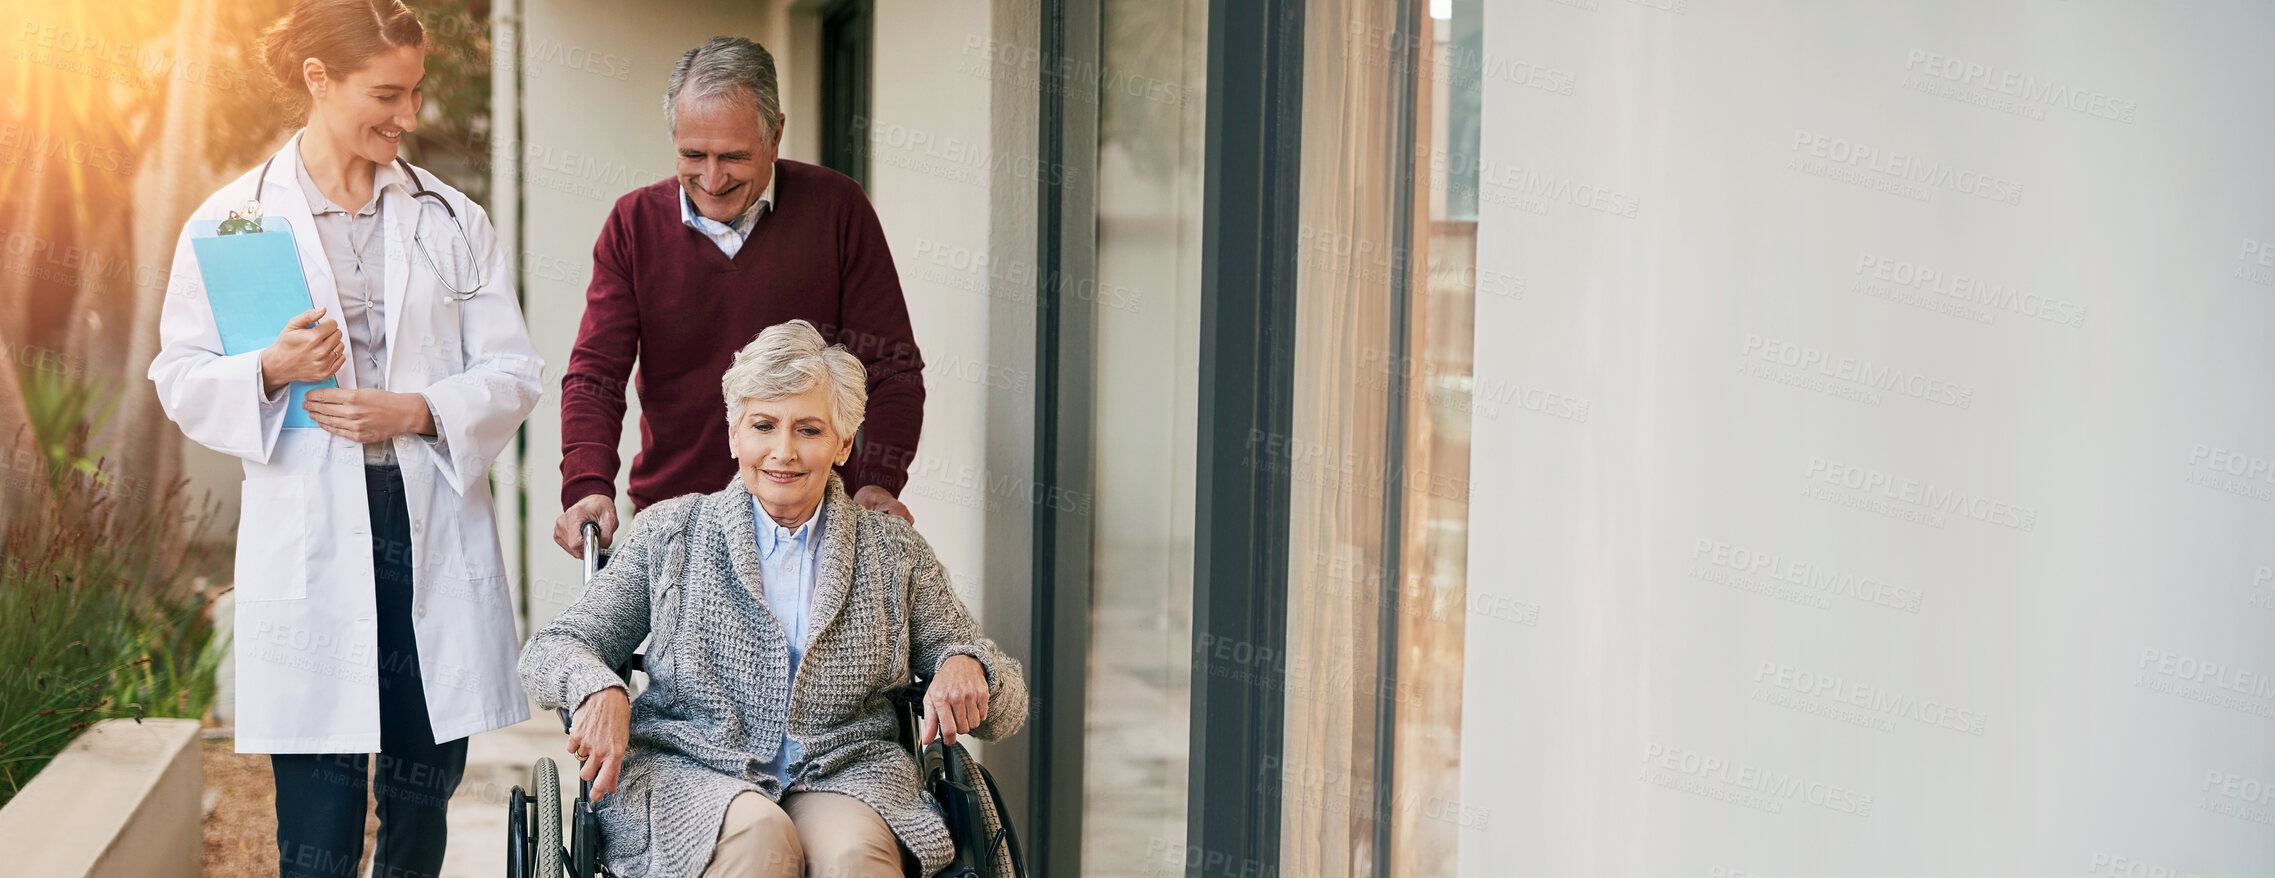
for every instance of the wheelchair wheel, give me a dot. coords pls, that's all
(548, 783)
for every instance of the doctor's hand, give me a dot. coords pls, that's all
(568, 530)
(305, 351)
(876, 499)
(363, 415)
(598, 733)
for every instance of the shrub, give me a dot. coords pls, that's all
(96, 620)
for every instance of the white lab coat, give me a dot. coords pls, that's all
(306, 627)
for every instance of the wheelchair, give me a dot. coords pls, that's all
(986, 845)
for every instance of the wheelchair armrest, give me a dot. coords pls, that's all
(910, 695)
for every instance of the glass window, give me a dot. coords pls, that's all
(1153, 56)
(1441, 327)
(1379, 452)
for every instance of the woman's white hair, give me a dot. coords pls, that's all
(788, 359)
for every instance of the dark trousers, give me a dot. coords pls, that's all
(320, 799)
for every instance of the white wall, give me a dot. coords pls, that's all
(930, 168)
(2067, 671)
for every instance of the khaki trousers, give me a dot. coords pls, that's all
(809, 835)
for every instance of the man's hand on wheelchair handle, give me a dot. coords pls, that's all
(599, 732)
(876, 499)
(568, 529)
(956, 701)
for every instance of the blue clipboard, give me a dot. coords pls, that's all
(253, 284)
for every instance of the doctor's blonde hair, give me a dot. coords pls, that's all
(343, 34)
(788, 359)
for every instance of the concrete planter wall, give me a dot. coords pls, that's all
(122, 800)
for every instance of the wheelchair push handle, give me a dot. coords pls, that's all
(593, 561)
(591, 532)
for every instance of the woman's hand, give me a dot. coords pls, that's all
(369, 415)
(305, 351)
(956, 701)
(598, 733)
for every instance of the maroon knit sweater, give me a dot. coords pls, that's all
(667, 298)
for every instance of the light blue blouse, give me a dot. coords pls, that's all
(789, 568)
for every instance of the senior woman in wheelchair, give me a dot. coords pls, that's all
(782, 614)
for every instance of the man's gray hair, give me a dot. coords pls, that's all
(733, 68)
(788, 359)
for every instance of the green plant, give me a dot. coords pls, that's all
(95, 619)
(65, 414)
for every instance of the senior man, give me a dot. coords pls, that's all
(688, 269)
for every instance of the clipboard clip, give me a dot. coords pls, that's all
(246, 221)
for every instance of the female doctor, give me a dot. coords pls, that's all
(372, 611)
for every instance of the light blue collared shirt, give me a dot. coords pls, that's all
(730, 235)
(789, 567)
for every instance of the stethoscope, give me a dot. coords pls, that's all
(418, 190)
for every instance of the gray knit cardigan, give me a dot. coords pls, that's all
(688, 574)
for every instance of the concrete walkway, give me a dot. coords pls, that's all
(496, 762)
